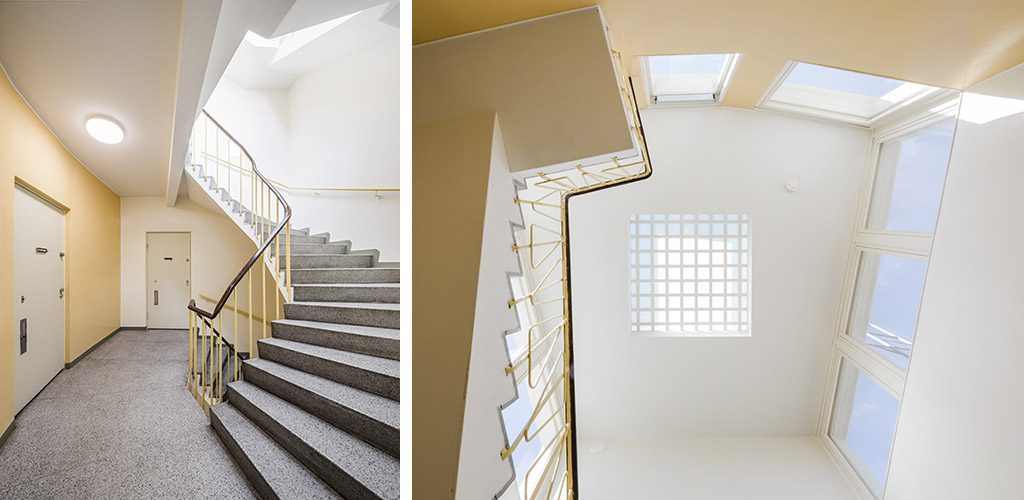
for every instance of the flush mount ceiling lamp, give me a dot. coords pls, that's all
(105, 130)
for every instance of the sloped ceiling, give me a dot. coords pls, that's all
(72, 60)
(946, 43)
(260, 67)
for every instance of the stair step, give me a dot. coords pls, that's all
(313, 261)
(372, 418)
(369, 373)
(318, 248)
(298, 238)
(354, 468)
(353, 275)
(346, 313)
(380, 342)
(272, 471)
(389, 293)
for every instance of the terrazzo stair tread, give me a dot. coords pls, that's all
(295, 232)
(299, 238)
(346, 275)
(272, 470)
(362, 371)
(348, 292)
(380, 342)
(319, 261)
(373, 418)
(353, 468)
(319, 248)
(378, 314)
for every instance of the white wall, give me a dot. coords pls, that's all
(344, 132)
(795, 468)
(258, 119)
(337, 126)
(959, 433)
(720, 160)
(219, 249)
(482, 472)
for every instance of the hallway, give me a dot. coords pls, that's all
(120, 424)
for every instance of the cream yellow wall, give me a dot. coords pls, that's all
(948, 43)
(451, 162)
(31, 154)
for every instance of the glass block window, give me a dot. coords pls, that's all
(690, 274)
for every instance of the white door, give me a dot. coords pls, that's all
(167, 276)
(38, 295)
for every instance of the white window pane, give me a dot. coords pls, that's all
(855, 95)
(887, 298)
(864, 424)
(685, 74)
(909, 179)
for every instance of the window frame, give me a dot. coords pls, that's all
(732, 60)
(920, 101)
(903, 244)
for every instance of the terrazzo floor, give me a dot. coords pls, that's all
(120, 424)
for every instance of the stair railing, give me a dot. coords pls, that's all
(224, 166)
(546, 361)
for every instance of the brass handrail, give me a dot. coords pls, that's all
(263, 247)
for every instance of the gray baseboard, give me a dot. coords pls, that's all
(6, 434)
(67, 366)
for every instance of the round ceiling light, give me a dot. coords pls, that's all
(104, 130)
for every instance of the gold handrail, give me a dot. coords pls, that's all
(612, 173)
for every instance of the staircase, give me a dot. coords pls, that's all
(316, 411)
(316, 415)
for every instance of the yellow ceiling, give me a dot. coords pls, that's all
(947, 43)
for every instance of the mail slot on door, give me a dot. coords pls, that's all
(24, 335)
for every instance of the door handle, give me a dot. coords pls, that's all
(61, 293)
(156, 297)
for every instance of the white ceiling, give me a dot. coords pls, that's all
(71, 60)
(262, 66)
(728, 161)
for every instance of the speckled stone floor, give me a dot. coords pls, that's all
(120, 424)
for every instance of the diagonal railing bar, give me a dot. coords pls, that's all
(538, 197)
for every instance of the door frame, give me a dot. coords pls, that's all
(145, 290)
(66, 211)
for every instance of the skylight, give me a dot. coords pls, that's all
(839, 94)
(698, 78)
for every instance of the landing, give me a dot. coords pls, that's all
(120, 424)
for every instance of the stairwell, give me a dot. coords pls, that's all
(316, 413)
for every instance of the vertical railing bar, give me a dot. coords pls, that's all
(220, 356)
(288, 261)
(250, 314)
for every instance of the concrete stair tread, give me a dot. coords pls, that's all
(356, 305)
(350, 285)
(346, 275)
(284, 474)
(379, 408)
(369, 331)
(374, 469)
(383, 366)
